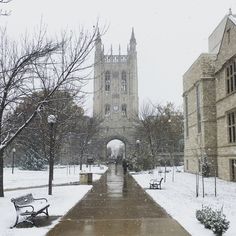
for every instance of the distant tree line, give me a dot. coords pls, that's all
(159, 134)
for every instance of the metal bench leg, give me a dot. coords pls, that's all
(17, 217)
(47, 212)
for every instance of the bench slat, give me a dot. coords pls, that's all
(23, 200)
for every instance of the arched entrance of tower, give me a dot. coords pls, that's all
(116, 147)
(115, 151)
(103, 142)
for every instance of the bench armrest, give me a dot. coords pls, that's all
(41, 199)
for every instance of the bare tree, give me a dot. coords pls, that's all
(39, 65)
(15, 68)
(86, 129)
(159, 128)
(4, 12)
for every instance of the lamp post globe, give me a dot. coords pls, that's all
(52, 119)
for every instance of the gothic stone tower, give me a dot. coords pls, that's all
(116, 93)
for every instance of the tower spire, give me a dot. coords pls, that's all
(98, 38)
(98, 46)
(111, 50)
(132, 39)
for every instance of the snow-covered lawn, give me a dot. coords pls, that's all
(178, 198)
(62, 174)
(62, 200)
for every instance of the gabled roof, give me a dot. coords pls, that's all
(215, 39)
(233, 18)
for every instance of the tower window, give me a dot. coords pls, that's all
(124, 109)
(107, 109)
(123, 82)
(107, 81)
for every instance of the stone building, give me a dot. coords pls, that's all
(116, 93)
(210, 104)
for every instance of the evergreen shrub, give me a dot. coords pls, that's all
(213, 219)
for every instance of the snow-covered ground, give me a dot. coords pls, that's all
(61, 195)
(62, 174)
(178, 198)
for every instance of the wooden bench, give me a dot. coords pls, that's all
(155, 184)
(28, 207)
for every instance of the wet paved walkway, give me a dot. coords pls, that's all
(117, 206)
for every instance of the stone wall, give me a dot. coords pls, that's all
(200, 74)
(225, 102)
(116, 124)
(209, 71)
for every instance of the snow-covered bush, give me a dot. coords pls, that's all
(213, 219)
(200, 216)
(219, 224)
(208, 214)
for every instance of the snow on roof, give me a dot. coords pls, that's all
(233, 18)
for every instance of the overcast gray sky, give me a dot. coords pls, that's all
(170, 34)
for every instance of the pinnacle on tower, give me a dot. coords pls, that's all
(132, 39)
(111, 50)
(230, 12)
(98, 38)
(132, 42)
(98, 46)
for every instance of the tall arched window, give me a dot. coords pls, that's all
(107, 109)
(107, 81)
(123, 81)
(124, 109)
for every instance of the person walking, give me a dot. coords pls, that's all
(124, 164)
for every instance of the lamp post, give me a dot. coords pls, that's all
(138, 144)
(51, 122)
(170, 148)
(138, 149)
(13, 160)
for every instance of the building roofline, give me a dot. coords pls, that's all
(201, 56)
(226, 16)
